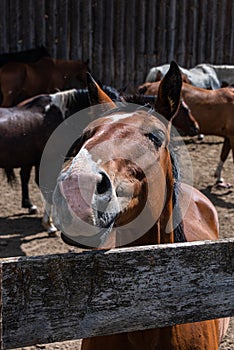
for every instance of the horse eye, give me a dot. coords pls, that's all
(156, 137)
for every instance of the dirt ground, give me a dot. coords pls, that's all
(22, 234)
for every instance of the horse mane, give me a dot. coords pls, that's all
(179, 235)
(75, 100)
(113, 93)
(63, 99)
(140, 99)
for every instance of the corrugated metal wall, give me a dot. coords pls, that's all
(122, 38)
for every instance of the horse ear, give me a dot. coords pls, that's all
(168, 99)
(96, 94)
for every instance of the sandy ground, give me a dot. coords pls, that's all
(21, 234)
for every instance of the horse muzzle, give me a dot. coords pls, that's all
(85, 206)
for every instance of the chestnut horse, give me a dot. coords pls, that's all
(19, 81)
(213, 110)
(122, 189)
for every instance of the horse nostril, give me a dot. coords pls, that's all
(104, 184)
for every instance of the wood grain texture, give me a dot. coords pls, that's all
(72, 296)
(122, 39)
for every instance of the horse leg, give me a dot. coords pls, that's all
(224, 154)
(47, 222)
(25, 176)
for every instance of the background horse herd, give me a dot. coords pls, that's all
(35, 99)
(33, 72)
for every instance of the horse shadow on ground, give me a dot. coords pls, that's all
(195, 141)
(16, 230)
(220, 199)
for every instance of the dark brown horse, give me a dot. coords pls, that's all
(213, 110)
(122, 188)
(19, 81)
(25, 130)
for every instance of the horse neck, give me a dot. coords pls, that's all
(80, 100)
(189, 92)
(162, 231)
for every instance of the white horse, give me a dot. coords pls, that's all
(203, 75)
(225, 73)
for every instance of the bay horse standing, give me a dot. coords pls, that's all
(122, 189)
(19, 81)
(213, 110)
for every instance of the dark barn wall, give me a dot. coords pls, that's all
(122, 38)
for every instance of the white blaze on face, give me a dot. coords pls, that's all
(117, 117)
(77, 204)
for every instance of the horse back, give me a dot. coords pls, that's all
(37, 103)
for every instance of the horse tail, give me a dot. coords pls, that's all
(10, 175)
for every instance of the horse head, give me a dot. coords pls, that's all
(119, 188)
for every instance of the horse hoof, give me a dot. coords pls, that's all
(32, 210)
(200, 137)
(52, 234)
(222, 184)
(52, 231)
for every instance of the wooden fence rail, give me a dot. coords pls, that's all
(71, 296)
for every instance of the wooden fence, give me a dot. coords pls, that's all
(122, 38)
(71, 296)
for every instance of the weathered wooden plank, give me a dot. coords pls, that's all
(140, 72)
(62, 25)
(71, 296)
(150, 30)
(51, 35)
(171, 27)
(40, 32)
(202, 30)
(86, 26)
(108, 29)
(74, 45)
(130, 43)
(4, 25)
(122, 47)
(118, 42)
